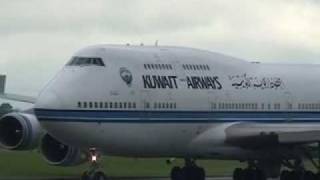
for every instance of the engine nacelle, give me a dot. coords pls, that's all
(19, 131)
(59, 154)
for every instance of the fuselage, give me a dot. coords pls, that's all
(164, 101)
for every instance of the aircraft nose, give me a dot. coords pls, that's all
(48, 100)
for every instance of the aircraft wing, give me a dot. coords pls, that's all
(14, 97)
(20, 98)
(256, 135)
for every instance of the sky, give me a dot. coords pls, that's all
(38, 37)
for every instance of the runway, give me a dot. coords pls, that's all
(111, 178)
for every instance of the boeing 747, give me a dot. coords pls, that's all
(175, 102)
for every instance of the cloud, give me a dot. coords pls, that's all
(38, 37)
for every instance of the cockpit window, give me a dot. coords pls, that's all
(85, 61)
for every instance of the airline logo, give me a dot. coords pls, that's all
(126, 76)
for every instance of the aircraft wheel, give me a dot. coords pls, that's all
(201, 173)
(194, 173)
(260, 175)
(238, 174)
(308, 175)
(317, 176)
(85, 176)
(285, 175)
(177, 173)
(99, 176)
(248, 174)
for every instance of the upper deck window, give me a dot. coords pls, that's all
(85, 61)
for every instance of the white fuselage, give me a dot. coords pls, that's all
(170, 101)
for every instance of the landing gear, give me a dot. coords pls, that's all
(189, 172)
(298, 172)
(252, 172)
(94, 173)
(298, 175)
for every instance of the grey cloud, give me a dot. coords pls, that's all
(38, 37)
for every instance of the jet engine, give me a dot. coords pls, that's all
(19, 131)
(59, 154)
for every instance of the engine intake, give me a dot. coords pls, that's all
(59, 154)
(19, 131)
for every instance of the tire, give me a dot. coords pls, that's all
(285, 175)
(190, 173)
(260, 175)
(201, 174)
(85, 176)
(238, 174)
(317, 176)
(294, 175)
(176, 173)
(99, 176)
(308, 175)
(248, 174)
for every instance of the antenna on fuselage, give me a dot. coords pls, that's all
(156, 43)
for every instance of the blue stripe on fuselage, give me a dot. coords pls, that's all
(174, 116)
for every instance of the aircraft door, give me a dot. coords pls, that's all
(146, 104)
(289, 106)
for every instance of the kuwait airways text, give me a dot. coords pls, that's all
(170, 82)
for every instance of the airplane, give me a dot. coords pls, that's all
(173, 102)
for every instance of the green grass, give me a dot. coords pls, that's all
(30, 163)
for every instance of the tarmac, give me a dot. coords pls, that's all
(111, 178)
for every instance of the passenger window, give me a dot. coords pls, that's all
(146, 105)
(85, 104)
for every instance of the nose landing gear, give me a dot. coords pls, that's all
(93, 173)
